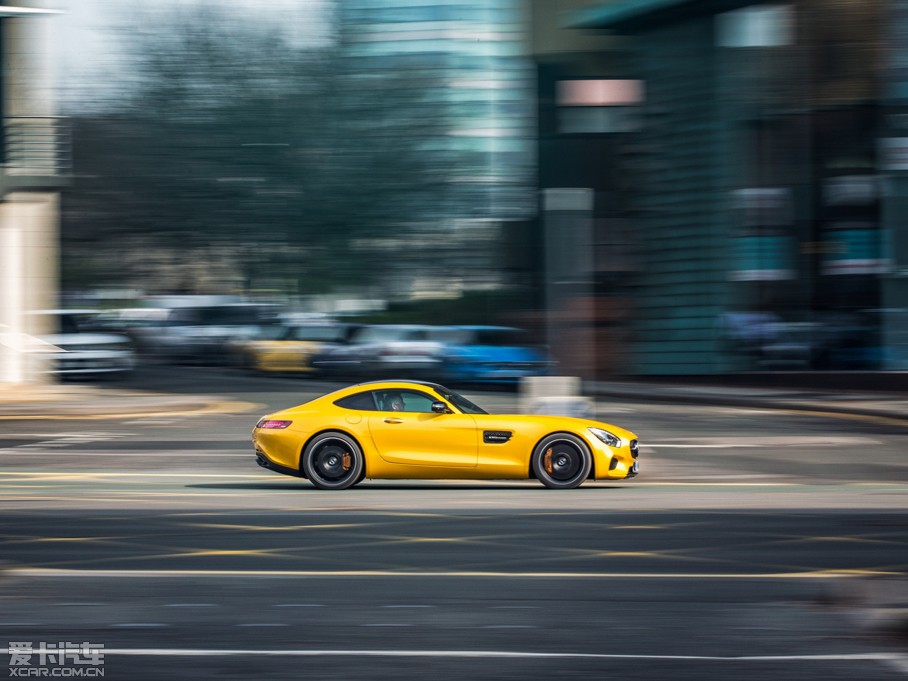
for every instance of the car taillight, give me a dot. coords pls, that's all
(272, 423)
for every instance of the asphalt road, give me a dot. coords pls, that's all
(751, 546)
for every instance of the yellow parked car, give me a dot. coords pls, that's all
(418, 430)
(290, 348)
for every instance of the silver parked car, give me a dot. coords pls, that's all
(82, 347)
(399, 350)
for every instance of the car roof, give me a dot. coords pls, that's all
(397, 382)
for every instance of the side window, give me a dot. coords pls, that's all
(404, 400)
(360, 401)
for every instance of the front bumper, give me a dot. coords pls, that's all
(619, 463)
(91, 362)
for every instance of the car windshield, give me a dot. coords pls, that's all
(269, 332)
(501, 337)
(79, 323)
(221, 315)
(385, 334)
(459, 401)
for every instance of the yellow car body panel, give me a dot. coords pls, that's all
(282, 355)
(427, 445)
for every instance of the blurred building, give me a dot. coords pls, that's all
(588, 113)
(770, 183)
(467, 65)
(33, 166)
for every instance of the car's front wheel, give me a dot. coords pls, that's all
(333, 461)
(562, 461)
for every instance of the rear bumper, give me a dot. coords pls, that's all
(265, 462)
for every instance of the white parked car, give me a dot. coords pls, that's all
(83, 348)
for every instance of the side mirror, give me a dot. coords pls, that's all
(440, 408)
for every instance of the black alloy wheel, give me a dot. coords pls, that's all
(333, 461)
(562, 461)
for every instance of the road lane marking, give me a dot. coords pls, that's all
(514, 607)
(870, 418)
(883, 657)
(212, 453)
(223, 552)
(263, 624)
(21, 624)
(285, 528)
(645, 445)
(639, 527)
(389, 624)
(81, 475)
(763, 440)
(410, 574)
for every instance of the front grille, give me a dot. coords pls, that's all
(634, 449)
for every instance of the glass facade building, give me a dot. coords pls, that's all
(467, 60)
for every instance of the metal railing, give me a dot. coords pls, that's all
(36, 146)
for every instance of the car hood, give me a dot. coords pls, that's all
(553, 422)
(61, 340)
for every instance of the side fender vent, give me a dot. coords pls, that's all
(496, 437)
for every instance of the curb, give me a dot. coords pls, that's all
(894, 415)
(106, 406)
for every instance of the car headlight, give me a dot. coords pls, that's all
(608, 438)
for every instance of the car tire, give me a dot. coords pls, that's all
(562, 461)
(333, 460)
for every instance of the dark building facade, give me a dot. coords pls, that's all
(769, 200)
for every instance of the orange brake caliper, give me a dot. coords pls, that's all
(547, 461)
(346, 462)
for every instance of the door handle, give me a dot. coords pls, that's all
(393, 420)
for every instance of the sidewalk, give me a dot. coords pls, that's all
(82, 401)
(883, 405)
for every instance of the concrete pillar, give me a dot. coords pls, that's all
(29, 281)
(29, 77)
(29, 220)
(570, 266)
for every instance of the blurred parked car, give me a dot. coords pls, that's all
(492, 354)
(83, 348)
(290, 347)
(197, 330)
(830, 340)
(395, 350)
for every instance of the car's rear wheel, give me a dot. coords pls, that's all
(333, 461)
(562, 461)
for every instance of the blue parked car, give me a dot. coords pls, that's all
(491, 354)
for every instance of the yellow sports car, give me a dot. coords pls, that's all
(412, 429)
(285, 348)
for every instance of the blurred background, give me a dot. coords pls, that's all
(476, 190)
